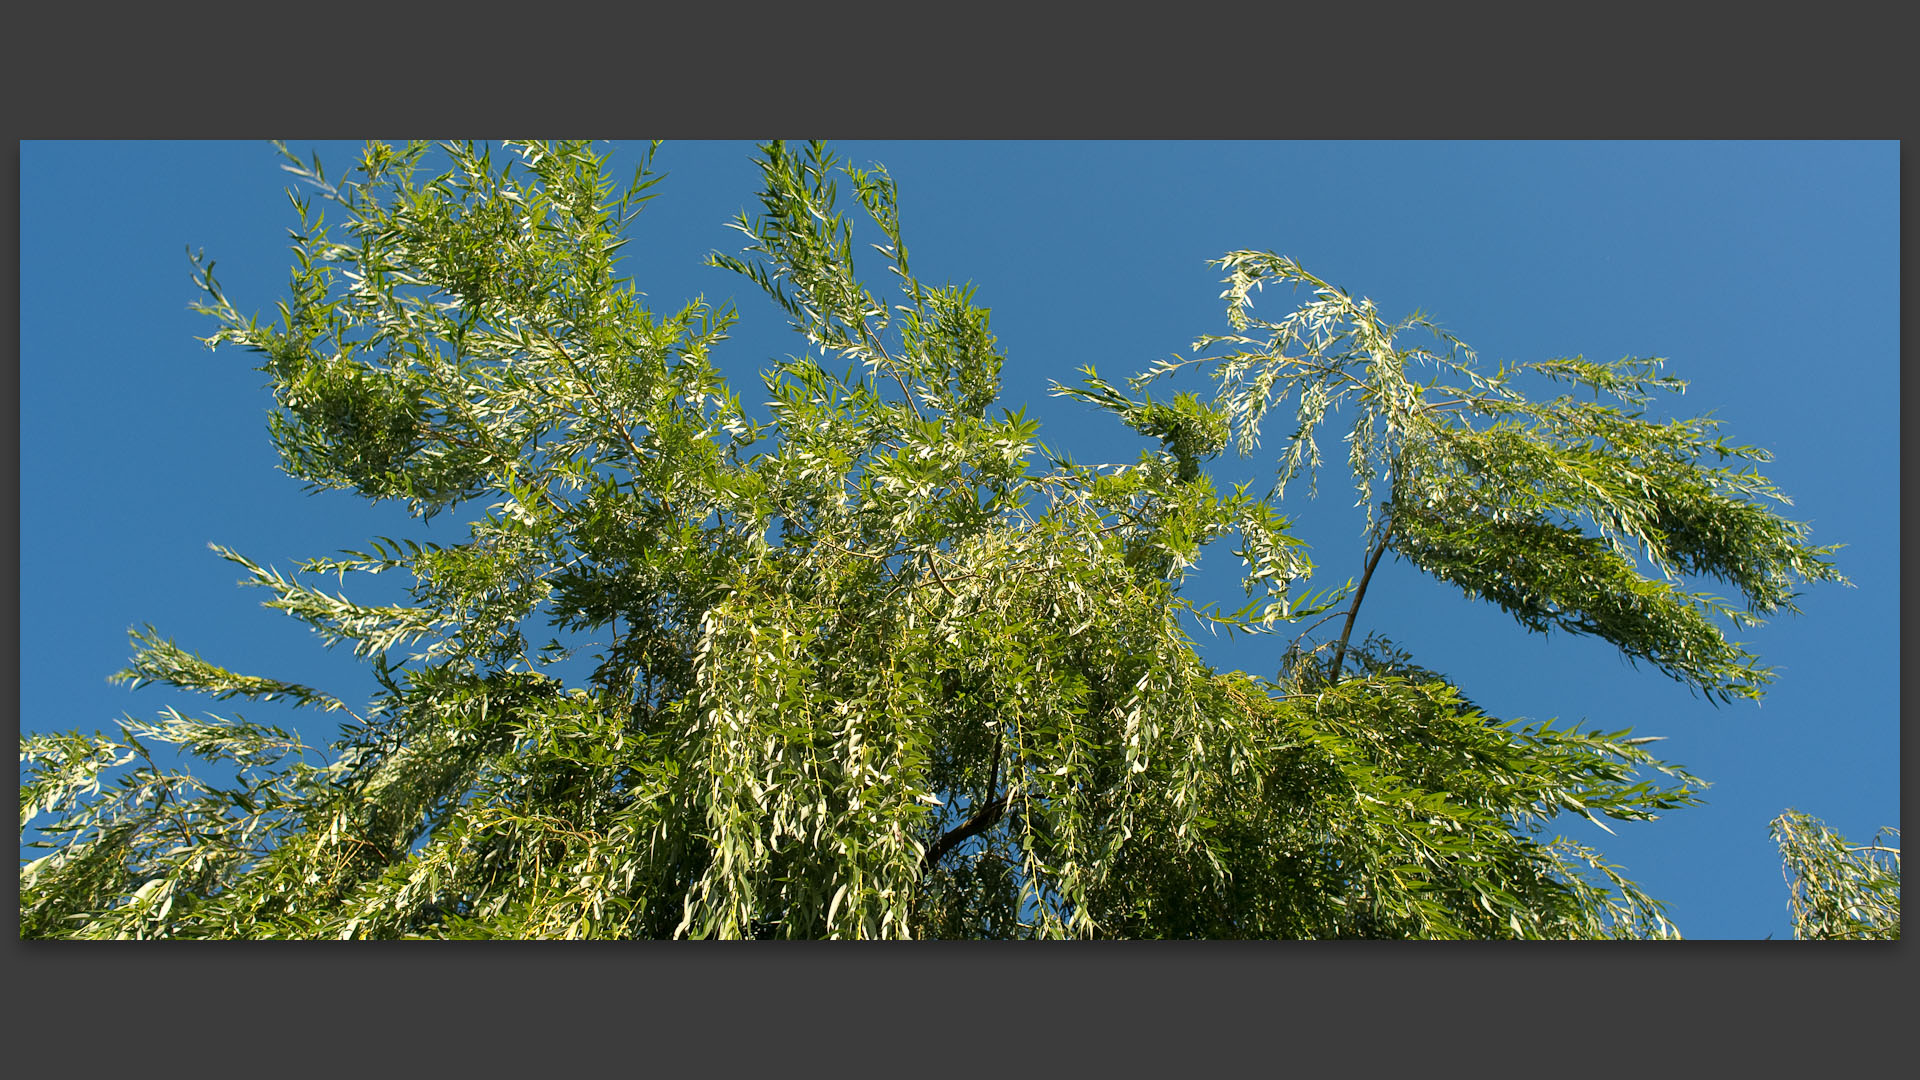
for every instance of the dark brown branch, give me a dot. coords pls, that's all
(927, 557)
(1340, 654)
(985, 817)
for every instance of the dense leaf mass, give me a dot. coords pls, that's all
(878, 664)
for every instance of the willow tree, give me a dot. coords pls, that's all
(1839, 891)
(875, 663)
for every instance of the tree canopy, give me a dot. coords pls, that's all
(872, 661)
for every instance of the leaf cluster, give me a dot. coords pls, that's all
(1839, 891)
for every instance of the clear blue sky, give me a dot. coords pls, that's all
(1766, 272)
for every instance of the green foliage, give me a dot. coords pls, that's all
(139, 858)
(878, 665)
(1542, 508)
(1841, 892)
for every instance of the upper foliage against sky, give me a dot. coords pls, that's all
(1841, 891)
(1542, 508)
(877, 663)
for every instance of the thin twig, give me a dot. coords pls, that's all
(1315, 625)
